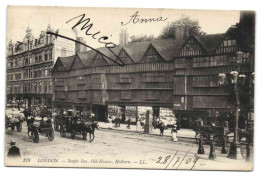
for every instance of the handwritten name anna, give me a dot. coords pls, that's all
(135, 19)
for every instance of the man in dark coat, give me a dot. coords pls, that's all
(13, 151)
(128, 122)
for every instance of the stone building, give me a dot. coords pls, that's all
(29, 65)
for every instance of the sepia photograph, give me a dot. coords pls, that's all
(129, 88)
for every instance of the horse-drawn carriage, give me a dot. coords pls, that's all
(220, 133)
(40, 126)
(75, 124)
(14, 118)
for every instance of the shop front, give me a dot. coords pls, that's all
(138, 111)
(188, 118)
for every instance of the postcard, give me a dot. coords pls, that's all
(130, 88)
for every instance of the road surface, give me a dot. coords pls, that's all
(112, 148)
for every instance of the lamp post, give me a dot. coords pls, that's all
(236, 79)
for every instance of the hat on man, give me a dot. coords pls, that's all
(12, 143)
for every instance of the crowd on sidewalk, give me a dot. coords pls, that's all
(140, 123)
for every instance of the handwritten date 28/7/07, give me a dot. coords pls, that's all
(176, 161)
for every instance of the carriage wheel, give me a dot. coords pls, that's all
(62, 131)
(72, 134)
(51, 135)
(19, 127)
(12, 127)
(35, 135)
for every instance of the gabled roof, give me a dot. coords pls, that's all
(87, 57)
(66, 62)
(136, 50)
(129, 59)
(210, 42)
(108, 53)
(167, 48)
(77, 63)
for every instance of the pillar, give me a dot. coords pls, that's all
(148, 127)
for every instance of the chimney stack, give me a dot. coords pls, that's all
(123, 37)
(79, 48)
(180, 33)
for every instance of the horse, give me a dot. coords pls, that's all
(90, 128)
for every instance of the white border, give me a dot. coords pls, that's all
(180, 4)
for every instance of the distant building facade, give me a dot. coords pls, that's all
(29, 65)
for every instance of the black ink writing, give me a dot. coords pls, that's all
(87, 27)
(134, 19)
(176, 161)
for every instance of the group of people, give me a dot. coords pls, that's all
(117, 120)
(140, 123)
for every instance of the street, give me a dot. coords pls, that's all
(112, 148)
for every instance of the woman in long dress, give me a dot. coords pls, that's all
(138, 125)
(174, 133)
(110, 122)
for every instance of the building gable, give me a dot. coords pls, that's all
(191, 48)
(77, 63)
(58, 67)
(123, 55)
(151, 55)
(99, 60)
(229, 44)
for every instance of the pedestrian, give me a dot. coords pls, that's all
(119, 120)
(110, 122)
(128, 122)
(138, 126)
(14, 151)
(143, 123)
(116, 121)
(174, 133)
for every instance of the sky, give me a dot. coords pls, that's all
(108, 21)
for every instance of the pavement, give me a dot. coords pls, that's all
(182, 133)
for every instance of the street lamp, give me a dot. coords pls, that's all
(236, 79)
